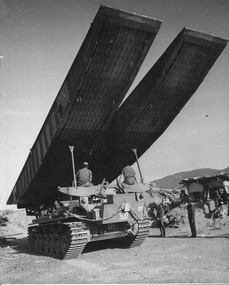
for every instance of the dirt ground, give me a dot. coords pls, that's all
(177, 258)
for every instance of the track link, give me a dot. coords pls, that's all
(79, 239)
(143, 228)
(143, 232)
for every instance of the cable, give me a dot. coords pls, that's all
(92, 220)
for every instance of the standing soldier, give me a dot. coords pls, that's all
(191, 218)
(160, 219)
(183, 197)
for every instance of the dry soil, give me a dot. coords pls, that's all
(177, 258)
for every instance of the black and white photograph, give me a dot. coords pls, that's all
(114, 142)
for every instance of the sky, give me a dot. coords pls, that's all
(39, 40)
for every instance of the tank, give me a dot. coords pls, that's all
(83, 215)
(88, 116)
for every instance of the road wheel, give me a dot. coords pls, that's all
(64, 244)
(46, 243)
(36, 246)
(40, 242)
(57, 243)
(52, 244)
(32, 241)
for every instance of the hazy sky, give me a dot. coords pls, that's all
(39, 40)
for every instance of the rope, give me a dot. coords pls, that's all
(93, 220)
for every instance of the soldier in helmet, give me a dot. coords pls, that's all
(129, 174)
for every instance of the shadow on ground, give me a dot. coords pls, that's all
(20, 245)
(104, 244)
(187, 236)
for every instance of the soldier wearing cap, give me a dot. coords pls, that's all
(84, 176)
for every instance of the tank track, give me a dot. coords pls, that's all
(143, 232)
(62, 241)
(143, 228)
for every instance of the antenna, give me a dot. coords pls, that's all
(139, 169)
(73, 164)
(1, 57)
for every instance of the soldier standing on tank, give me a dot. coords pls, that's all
(191, 218)
(129, 174)
(84, 176)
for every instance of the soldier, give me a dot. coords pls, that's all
(160, 219)
(183, 197)
(84, 176)
(223, 196)
(191, 218)
(129, 175)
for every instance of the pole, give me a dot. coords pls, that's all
(73, 164)
(1, 88)
(139, 169)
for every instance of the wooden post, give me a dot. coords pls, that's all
(139, 169)
(73, 166)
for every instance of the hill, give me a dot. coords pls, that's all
(172, 181)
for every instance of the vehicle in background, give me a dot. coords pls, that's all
(208, 192)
